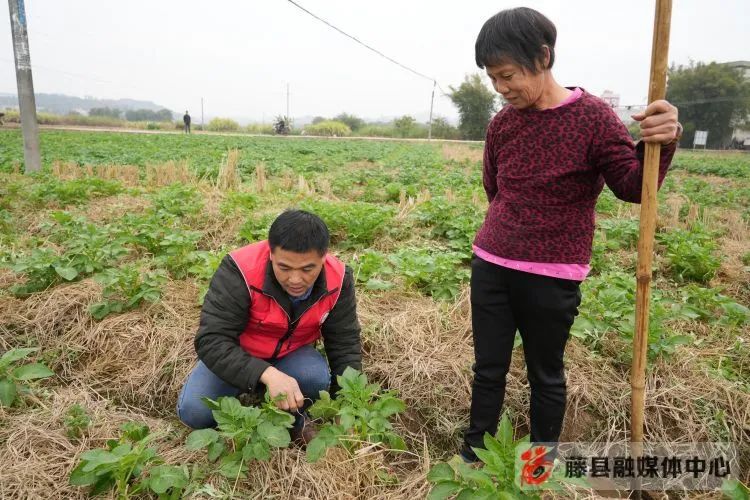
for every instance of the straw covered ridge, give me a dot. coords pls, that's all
(131, 366)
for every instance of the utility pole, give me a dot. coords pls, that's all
(287, 100)
(26, 100)
(432, 103)
(202, 127)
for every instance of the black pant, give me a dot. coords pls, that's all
(187, 128)
(542, 308)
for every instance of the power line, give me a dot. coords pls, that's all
(707, 100)
(407, 68)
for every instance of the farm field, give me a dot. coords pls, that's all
(104, 259)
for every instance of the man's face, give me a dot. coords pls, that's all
(296, 272)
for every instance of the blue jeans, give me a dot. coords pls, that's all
(305, 365)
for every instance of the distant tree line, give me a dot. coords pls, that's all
(403, 127)
(713, 97)
(134, 115)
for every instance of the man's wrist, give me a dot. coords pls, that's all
(267, 373)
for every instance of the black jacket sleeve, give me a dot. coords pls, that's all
(341, 332)
(224, 317)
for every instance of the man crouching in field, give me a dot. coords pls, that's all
(267, 305)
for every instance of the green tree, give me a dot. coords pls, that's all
(441, 129)
(147, 115)
(355, 123)
(110, 112)
(476, 104)
(712, 97)
(404, 125)
(164, 115)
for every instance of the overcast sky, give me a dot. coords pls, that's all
(240, 55)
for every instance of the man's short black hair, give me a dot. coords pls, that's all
(516, 36)
(299, 231)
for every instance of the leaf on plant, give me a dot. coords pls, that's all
(440, 472)
(99, 310)
(201, 438)
(275, 436)
(316, 449)
(505, 432)
(162, 478)
(215, 450)
(32, 371)
(15, 354)
(67, 273)
(134, 431)
(8, 392)
(735, 490)
(94, 458)
(80, 478)
(443, 490)
(231, 468)
(391, 406)
(395, 442)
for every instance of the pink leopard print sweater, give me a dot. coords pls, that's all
(543, 171)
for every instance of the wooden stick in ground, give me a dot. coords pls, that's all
(657, 90)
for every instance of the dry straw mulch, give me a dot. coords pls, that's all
(131, 367)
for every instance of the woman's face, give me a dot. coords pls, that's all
(519, 86)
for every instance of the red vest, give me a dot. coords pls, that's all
(269, 333)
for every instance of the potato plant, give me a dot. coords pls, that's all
(360, 414)
(125, 288)
(131, 467)
(496, 478)
(76, 421)
(243, 434)
(14, 375)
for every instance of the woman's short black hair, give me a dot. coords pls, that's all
(299, 231)
(516, 36)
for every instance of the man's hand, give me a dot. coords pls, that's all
(658, 122)
(279, 383)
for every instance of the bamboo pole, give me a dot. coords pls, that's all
(657, 90)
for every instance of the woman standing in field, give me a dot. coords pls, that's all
(547, 156)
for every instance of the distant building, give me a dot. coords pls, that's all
(741, 130)
(611, 98)
(741, 65)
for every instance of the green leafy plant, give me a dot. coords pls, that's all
(125, 288)
(243, 434)
(41, 269)
(708, 304)
(494, 480)
(85, 249)
(130, 466)
(177, 252)
(14, 375)
(352, 223)
(609, 306)
(88, 248)
(238, 202)
(437, 273)
(373, 268)
(203, 266)
(49, 190)
(256, 228)
(76, 421)
(359, 414)
(690, 253)
(499, 474)
(177, 200)
(455, 221)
